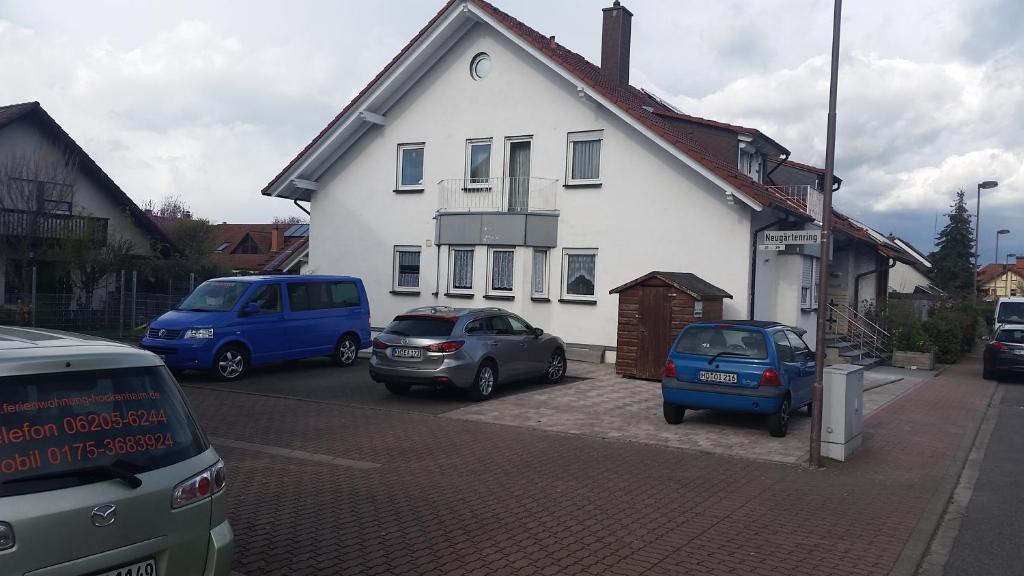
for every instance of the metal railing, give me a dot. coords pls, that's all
(861, 332)
(35, 224)
(498, 195)
(810, 197)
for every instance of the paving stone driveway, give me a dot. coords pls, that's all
(607, 406)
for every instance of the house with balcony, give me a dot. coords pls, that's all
(488, 165)
(52, 195)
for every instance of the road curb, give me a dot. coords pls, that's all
(916, 547)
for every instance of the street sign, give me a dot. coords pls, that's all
(772, 247)
(792, 236)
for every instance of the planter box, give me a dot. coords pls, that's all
(920, 360)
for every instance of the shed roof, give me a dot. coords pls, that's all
(685, 281)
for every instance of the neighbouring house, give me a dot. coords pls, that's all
(999, 280)
(488, 165)
(64, 223)
(911, 278)
(243, 249)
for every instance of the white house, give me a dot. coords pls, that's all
(488, 165)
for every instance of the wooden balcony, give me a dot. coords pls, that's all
(47, 226)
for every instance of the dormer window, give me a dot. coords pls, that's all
(750, 161)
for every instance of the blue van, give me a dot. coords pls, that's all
(739, 366)
(229, 324)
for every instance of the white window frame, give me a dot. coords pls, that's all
(468, 182)
(566, 252)
(809, 290)
(698, 308)
(398, 173)
(491, 291)
(394, 273)
(543, 293)
(588, 136)
(451, 269)
(753, 166)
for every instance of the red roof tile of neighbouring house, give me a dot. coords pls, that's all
(990, 272)
(250, 247)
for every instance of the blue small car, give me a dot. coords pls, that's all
(229, 324)
(739, 366)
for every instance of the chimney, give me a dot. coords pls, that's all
(187, 215)
(276, 238)
(615, 33)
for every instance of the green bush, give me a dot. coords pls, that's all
(944, 331)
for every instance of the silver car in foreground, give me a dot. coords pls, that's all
(470, 348)
(103, 470)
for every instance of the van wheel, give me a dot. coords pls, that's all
(778, 423)
(231, 363)
(673, 412)
(485, 382)
(346, 351)
(556, 367)
(396, 388)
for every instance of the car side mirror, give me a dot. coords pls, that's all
(538, 332)
(250, 309)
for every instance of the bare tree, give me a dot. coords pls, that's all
(171, 206)
(289, 220)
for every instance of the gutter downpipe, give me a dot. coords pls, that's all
(753, 262)
(785, 157)
(299, 206)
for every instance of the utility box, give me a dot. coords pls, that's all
(842, 414)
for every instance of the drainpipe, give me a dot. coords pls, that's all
(856, 283)
(753, 262)
(768, 176)
(296, 201)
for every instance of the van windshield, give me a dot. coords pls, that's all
(714, 340)
(57, 429)
(1011, 313)
(219, 296)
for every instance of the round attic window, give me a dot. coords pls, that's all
(480, 66)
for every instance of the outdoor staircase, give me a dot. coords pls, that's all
(853, 339)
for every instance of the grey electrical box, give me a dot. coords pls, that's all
(842, 414)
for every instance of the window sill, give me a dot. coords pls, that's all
(498, 297)
(581, 185)
(408, 190)
(576, 301)
(540, 299)
(458, 295)
(405, 292)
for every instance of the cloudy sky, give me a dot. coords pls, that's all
(210, 99)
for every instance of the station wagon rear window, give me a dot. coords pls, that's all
(73, 428)
(421, 327)
(712, 340)
(1011, 336)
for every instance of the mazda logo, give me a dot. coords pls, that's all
(162, 333)
(104, 515)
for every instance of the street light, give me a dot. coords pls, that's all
(977, 222)
(1005, 263)
(998, 234)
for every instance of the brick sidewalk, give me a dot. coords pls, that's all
(461, 497)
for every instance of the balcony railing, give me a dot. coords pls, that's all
(498, 195)
(44, 225)
(809, 198)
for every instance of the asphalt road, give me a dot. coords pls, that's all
(992, 533)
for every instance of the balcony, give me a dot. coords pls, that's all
(514, 195)
(807, 198)
(497, 211)
(47, 226)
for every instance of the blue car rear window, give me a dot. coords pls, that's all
(712, 340)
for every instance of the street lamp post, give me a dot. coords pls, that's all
(977, 224)
(1006, 262)
(998, 234)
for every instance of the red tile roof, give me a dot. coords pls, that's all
(990, 272)
(261, 235)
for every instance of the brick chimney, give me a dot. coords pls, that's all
(615, 32)
(276, 238)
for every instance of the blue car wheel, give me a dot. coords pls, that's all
(673, 412)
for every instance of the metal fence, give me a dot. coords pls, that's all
(119, 307)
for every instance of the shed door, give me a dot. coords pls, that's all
(655, 331)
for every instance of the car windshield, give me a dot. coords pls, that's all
(214, 296)
(57, 430)
(1011, 336)
(1010, 312)
(724, 340)
(421, 327)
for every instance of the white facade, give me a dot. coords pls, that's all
(904, 278)
(650, 212)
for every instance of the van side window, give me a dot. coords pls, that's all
(298, 295)
(268, 297)
(344, 295)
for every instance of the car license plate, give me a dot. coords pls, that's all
(717, 377)
(406, 353)
(147, 568)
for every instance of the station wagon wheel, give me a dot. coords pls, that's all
(556, 367)
(484, 383)
(346, 351)
(778, 423)
(230, 363)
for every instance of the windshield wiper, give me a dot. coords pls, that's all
(715, 357)
(115, 470)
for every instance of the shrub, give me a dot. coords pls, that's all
(944, 331)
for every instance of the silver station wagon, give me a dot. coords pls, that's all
(103, 470)
(470, 348)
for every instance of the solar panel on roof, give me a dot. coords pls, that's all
(297, 230)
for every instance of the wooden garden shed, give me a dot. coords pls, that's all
(652, 310)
